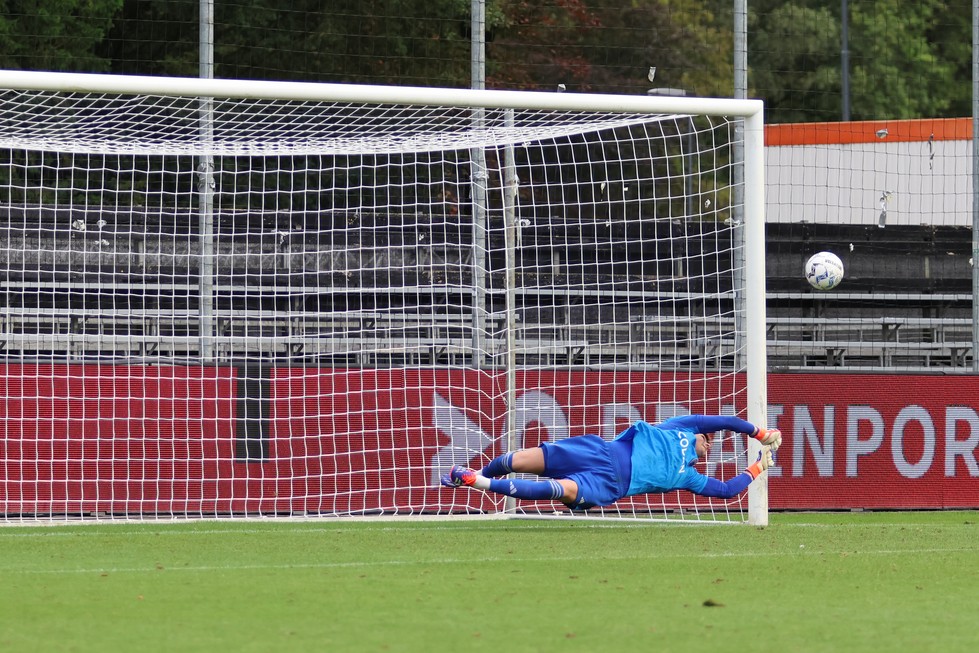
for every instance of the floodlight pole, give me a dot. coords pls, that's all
(845, 57)
(205, 187)
(975, 185)
(477, 183)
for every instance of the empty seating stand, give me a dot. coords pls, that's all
(880, 319)
(861, 330)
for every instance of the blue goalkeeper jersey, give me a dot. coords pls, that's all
(663, 454)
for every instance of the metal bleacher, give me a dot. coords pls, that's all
(905, 303)
(371, 338)
(391, 338)
(925, 344)
(85, 314)
(350, 290)
(363, 338)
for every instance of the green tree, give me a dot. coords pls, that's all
(59, 35)
(794, 61)
(155, 38)
(897, 72)
(366, 41)
(907, 60)
(950, 32)
(598, 46)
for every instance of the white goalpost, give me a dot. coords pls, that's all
(236, 298)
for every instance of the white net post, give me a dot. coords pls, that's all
(756, 362)
(344, 325)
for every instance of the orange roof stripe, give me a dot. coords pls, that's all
(838, 133)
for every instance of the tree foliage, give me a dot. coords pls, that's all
(367, 41)
(906, 59)
(598, 46)
(60, 35)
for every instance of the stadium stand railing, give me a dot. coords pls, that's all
(396, 337)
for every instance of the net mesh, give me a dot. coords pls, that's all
(128, 124)
(233, 307)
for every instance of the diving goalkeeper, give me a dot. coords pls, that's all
(586, 471)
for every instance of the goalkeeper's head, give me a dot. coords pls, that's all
(703, 445)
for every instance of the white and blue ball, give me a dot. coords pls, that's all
(824, 270)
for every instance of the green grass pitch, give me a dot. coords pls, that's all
(899, 581)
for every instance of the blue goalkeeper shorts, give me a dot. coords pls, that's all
(600, 468)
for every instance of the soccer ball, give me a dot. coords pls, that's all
(824, 270)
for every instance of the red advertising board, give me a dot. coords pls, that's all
(875, 441)
(90, 438)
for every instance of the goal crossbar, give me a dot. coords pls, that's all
(375, 94)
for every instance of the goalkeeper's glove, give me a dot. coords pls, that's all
(769, 437)
(765, 460)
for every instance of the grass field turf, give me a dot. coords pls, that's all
(809, 582)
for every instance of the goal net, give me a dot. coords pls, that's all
(234, 298)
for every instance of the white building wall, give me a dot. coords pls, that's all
(927, 182)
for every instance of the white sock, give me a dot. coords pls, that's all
(482, 483)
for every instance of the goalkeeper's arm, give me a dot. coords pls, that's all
(713, 423)
(738, 484)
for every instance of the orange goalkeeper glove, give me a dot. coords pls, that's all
(765, 460)
(769, 437)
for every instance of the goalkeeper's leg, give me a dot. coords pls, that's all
(543, 490)
(546, 489)
(523, 461)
